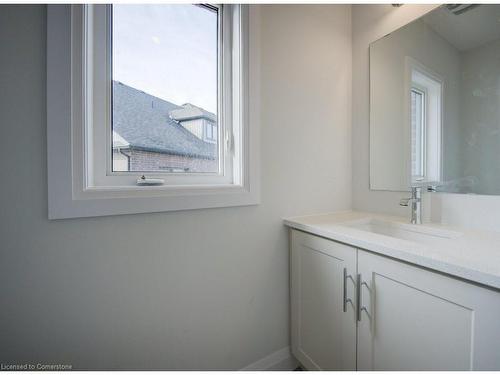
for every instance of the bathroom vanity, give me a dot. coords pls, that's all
(372, 292)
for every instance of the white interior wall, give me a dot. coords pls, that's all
(369, 23)
(204, 289)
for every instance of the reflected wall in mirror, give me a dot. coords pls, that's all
(435, 102)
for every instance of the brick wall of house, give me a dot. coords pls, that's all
(147, 161)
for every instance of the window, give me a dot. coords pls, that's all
(418, 133)
(426, 118)
(210, 132)
(164, 87)
(160, 91)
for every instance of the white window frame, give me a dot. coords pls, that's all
(420, 76)
(79, 127)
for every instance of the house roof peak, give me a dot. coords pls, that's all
(190, 111)
(139, 124)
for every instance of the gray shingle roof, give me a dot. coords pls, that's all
(143, 121)
(192, 112)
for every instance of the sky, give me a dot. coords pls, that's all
(167, 50)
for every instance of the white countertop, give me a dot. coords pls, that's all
(474, 255)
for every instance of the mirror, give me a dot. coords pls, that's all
(435, 102)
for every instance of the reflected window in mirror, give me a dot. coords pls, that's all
(447, 134)
(417, 134)
(426, 122)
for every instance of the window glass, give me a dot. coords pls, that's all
(417, 134)
(164, 88)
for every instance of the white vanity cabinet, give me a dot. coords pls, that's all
(409, 318)
(322, 303)
(417, 319)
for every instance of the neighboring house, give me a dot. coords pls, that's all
(151, 134)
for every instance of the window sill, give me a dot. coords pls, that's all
(112, 201)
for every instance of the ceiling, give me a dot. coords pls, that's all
(468, 30)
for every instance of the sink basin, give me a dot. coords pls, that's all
(409, 232)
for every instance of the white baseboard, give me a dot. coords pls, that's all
(281, 360)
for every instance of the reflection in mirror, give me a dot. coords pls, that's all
(426, 96)
(435, 103)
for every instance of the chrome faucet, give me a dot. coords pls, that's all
(416, 204)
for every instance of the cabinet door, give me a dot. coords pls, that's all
(415, 319)
(323, 334)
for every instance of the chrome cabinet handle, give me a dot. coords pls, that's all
(358, 297)
(359, 301)
(345, 299)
